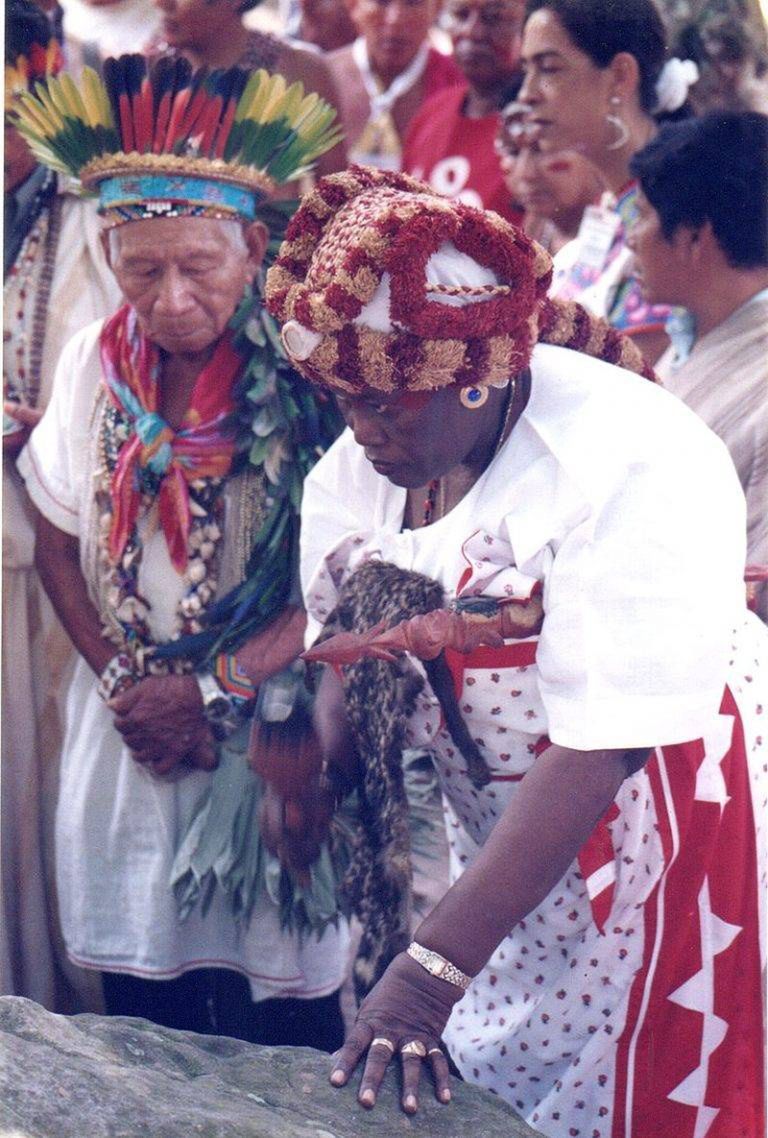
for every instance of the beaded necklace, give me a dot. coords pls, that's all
(436, 488)
(127, 608)
(25, 330)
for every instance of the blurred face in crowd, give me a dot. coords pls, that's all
(394, 30)
(184, 276)
(547, 184)
(326, 23)
(660, 264)
(567, 93)
(486, 38)
(191, 25)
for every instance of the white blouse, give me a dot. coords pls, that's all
(620, 502)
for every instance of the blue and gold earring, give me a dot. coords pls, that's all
(473, 397)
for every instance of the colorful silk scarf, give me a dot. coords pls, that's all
(154, 454)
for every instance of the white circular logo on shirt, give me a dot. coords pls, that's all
(449, 177)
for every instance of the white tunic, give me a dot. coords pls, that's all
(627, 510)
(118, 827)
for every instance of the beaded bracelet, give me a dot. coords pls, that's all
(232, 679)
(118, 675)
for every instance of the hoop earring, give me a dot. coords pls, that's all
(617, 124)
(473, 397)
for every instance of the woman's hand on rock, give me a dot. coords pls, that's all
(405, 1014)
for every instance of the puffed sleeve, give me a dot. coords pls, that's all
(641, 600)
(337, 502)
(52, 463)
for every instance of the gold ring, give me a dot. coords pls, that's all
(435, 1051)
(415, 1047)
(384, 1043)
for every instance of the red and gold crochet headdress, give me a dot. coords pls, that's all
(362, 306)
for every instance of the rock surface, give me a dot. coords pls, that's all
(90, 1076)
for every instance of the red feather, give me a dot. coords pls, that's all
(163, 115)
(209, 122)
(126, 123)
(226, 126)
(179, 107)
(143, 104)
(142, 130)
(194, 110)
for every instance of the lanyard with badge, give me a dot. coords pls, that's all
(597, 233)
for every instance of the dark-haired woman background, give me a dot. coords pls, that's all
(596, 75)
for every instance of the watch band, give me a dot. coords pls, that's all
(118, 675)
(438, 966)
(216, 702)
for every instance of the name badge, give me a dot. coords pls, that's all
(597, 233)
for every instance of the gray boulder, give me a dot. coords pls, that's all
(91, 1076)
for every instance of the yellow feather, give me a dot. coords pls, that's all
(308, 104)
(59, 99)
(90, 102)
(56, 121)
(42, 151)
(249, 93)
(309, 122)
(277, 91)
(105, 107)
(316, 122)
(73, 98)
(292, 102)
(96, 100)
(53, 89)
(31, 115)
(259, 95)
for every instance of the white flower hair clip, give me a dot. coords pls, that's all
(677, 76)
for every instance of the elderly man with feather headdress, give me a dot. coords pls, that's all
(166, 472)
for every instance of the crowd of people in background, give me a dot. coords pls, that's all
(627, 141)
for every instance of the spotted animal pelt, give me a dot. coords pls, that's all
(379, 697)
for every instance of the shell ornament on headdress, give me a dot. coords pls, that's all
(366, 234)
(167, 141)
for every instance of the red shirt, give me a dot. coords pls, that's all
(441, 71)
(456, 154)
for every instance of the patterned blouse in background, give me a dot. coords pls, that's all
(612, 291)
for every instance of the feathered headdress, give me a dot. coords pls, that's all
(167, 141)
(31, 50)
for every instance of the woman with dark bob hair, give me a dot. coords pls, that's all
(561, 542)
(596, 80)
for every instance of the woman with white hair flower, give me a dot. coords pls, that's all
(596, 80)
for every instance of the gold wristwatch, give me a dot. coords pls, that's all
(438, 966)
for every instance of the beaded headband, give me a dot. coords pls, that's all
(165, 141)
(364, 229)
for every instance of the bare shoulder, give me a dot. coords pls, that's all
(312, 69)
(308, 66)
(342, 65)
